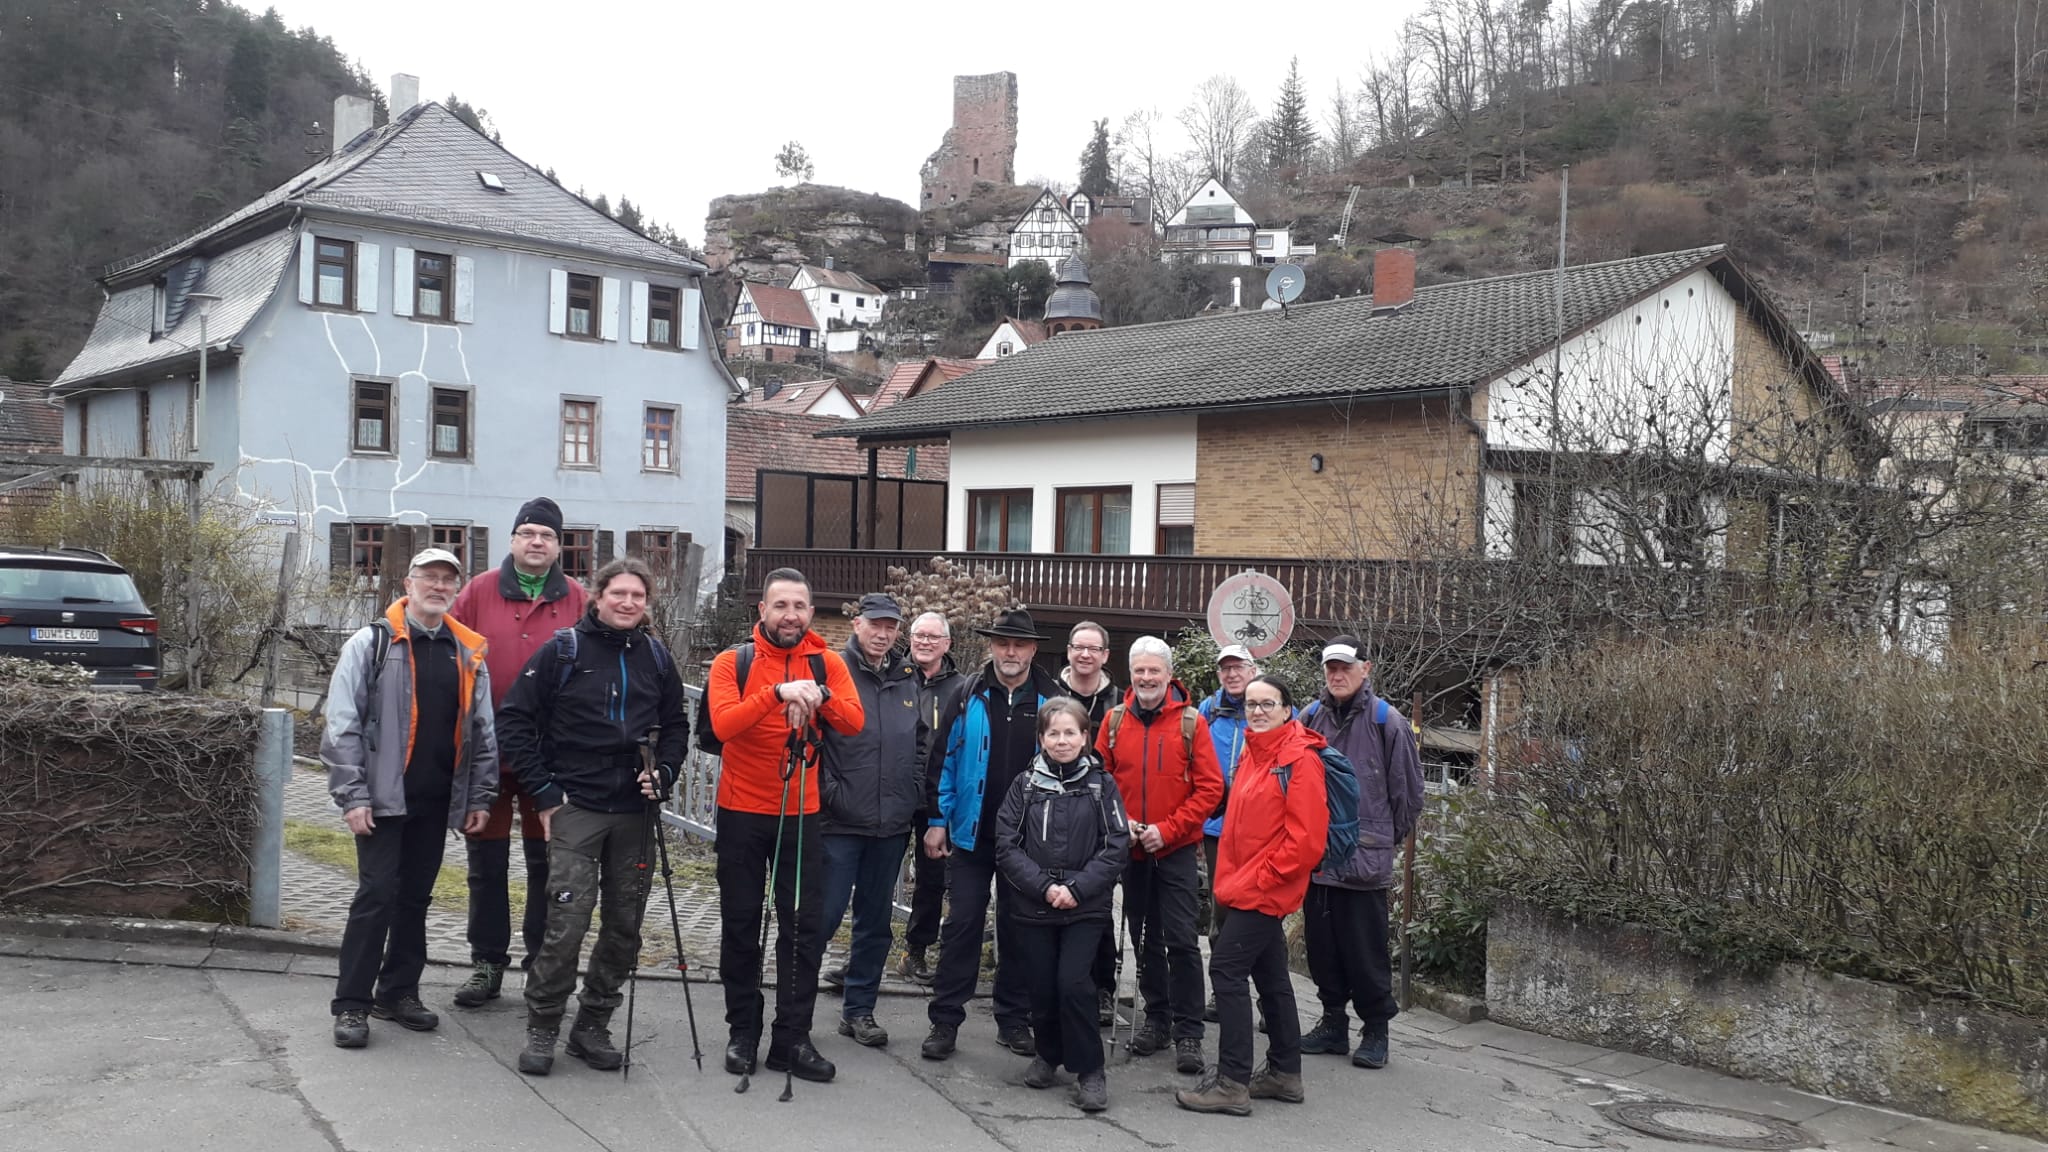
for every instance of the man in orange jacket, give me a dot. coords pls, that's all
(1157, 746)
(767, 808)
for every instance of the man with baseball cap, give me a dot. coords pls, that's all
(410, 752)
(517, 614)
(870, 784)
(1224, 710)
(1344, 916)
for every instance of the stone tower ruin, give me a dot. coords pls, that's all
(981, 146)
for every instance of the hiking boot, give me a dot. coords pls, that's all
(739, 1055)
(1017, 1038)
(1149, 1039)
(483, 984)
(1270, 1085)
(834, 979)
(1209, 1009)
(409, 1012)
(864, 1031)
(1040, 1074)
(1105, 1008)
(591, 1043)
(1092, 1093)
(802, 1061)
(1219, 1093)
(352, 1029)
(1372, 1046)
(1187, 1055)
(939, 1042)
(538, 1059)
(1330, 1037)
(914, 968)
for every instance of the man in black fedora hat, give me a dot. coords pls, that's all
(986, 738)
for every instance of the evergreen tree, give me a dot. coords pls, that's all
(628, 214)
(1291, 133)
(27, 363)
(1096, 180)
(248, 79)
(602, 204)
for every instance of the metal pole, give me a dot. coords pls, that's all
(1408, 872)
(1564, 208)
(280, 613)
(193, 583)
(266, 855)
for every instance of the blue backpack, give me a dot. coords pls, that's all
(1340, 792)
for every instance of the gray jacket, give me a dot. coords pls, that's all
(365, 744)
(871, 782)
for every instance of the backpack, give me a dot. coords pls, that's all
(742, 666)
(1340, 792)
(565, 656)
(1187, 735)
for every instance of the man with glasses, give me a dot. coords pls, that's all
(1085, 679)
(410, 752)
(940, 685)
(517, 614)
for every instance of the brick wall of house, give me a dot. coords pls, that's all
(1400, 479)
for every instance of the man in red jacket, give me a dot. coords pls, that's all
(1157, 746)
(516, 613)
(767, 819)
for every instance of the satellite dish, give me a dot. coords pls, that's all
(1285, 282)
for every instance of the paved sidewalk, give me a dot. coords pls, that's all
(162, 1047)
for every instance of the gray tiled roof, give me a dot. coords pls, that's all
(1452, 335)
(242, 277)
(423, 167)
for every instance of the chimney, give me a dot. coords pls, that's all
(405, 93)
(1236, 293)
(1393, 279)
(353, 116)
(830, 264)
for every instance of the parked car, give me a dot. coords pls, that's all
(77, 606)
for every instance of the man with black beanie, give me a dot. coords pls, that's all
(517, 612)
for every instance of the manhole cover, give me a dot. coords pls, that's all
(1701, 1124)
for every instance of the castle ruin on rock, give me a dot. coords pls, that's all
(981, 146)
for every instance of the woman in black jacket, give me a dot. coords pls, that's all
(1062, 842)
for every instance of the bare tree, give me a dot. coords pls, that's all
(1219, 120)
(1345, 123)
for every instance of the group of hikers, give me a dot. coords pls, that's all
(1220, 816)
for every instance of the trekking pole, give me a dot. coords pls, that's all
(659, 836)
(767, 899)
(640, 866)
(799, 742)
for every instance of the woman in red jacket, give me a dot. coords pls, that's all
(1273, 834)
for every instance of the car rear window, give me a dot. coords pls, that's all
(71, 585)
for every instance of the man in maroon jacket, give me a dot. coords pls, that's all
(517, 614)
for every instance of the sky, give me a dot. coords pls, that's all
(674, 104)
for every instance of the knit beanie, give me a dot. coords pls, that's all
(539, 510)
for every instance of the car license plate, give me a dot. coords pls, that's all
(65, 635)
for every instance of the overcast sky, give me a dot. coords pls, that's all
(672, 104)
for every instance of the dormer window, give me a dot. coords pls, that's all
(490, 180)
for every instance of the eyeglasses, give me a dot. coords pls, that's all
(540, 534)
(1087, 648)
(436, 579)
(931, 637)
(1262, 705)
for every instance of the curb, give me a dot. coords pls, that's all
(1454, 1005)
(196, 933)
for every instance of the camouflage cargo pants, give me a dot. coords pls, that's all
(594, 861)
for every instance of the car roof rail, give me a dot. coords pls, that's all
(59, 550)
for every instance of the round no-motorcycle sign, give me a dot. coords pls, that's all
(1252, 609)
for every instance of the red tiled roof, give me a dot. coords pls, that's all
(802, 396)
(28, 423)
(841, 279)
(758, 437)
(1957, 393)
(1031, 331)
(916, 376)
(781, 306)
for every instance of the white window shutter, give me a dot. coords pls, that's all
(306, 268)
(558, 301)
(366, 277)
(402, 268)
(689, 314)
(465, 290)
(609, 322)
(637, 330)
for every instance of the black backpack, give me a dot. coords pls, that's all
(743, 665)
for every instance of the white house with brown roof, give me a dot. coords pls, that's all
(772, 324)
(1046, 232)
(1011, 337)
(409, 339)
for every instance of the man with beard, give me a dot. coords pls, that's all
(768, 721)
(990, 736)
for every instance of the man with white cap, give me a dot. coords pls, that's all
(1224, 710)
(1345, 913)
(411, 752)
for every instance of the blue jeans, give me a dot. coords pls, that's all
(861, 871)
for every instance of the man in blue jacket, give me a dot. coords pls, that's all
(1345, 914)
(870, 785)
(991, 733)
(1224, 711)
